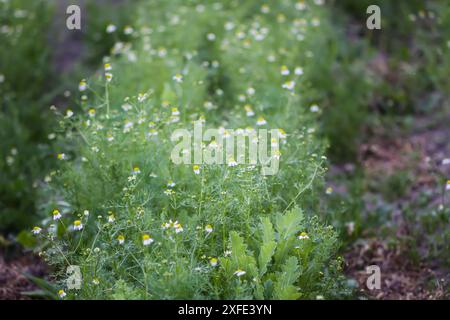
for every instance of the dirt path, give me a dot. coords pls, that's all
(408, 270)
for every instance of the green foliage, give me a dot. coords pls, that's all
(25, 155)
(141, 226)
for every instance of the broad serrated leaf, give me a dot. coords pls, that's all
(284, 287)
(289, 223)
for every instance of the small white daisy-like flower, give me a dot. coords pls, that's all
(178, 78)
(61, 294)
(447, 187)
(77, 225)
(196, 169)
(300, 5)
(239, 272)
(111, 28)
(249, 111)
(171, 184)
(209, 228)
(303, 235)
(284, 71)
(61, 156)
(211, 36)
(69, 113)
(227, 253)
(175, 112)
(213, 262)
(232, 162)
(152, 133)
(136, 170)
(127, 106)
(169, 192)
(107, 67)
(82, 85)
(91, 112)
(56, 214)
(146, 240)
(141, 97)
(298, 71)
(282, 134)
(111, 218)
(251, 91)
(128, 30)
(314, 108)
(178, 227)
(446, 161)
(289, 85)
(329, 190)
(108, 76)
(121, 239)
(86, 213)
(36, 230)
(261, 121)
(96, 281)
(265, 8)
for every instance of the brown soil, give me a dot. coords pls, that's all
(12, 280)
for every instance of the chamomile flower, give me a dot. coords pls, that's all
(282, 134)
(314, 108)
(61, 156)
(178, 78)
(69, 113)
(175, 112)
(152, 133)
(111, 28)
(298, 71)
(284, 71)
(91, 112)
(265, 8)
(36, 230)
(77, 225)
(329, 190)
(82, 85)
(239, 272)
(127, 107)
(213, 262)
(107, 67)
(108, 76)
(251, 91)
(209, 228)
(136, 170)
(232, 162)
(211, 36)
(128, 30)
(447, 187)
(303, 235)
(56, 214)
(289, 85)
(61, 294)
(261, 121)
(249, 111)
(111, 218)
(171, 184)
(121, 239)
(146, 240)
(178, 227)
(196, 169)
